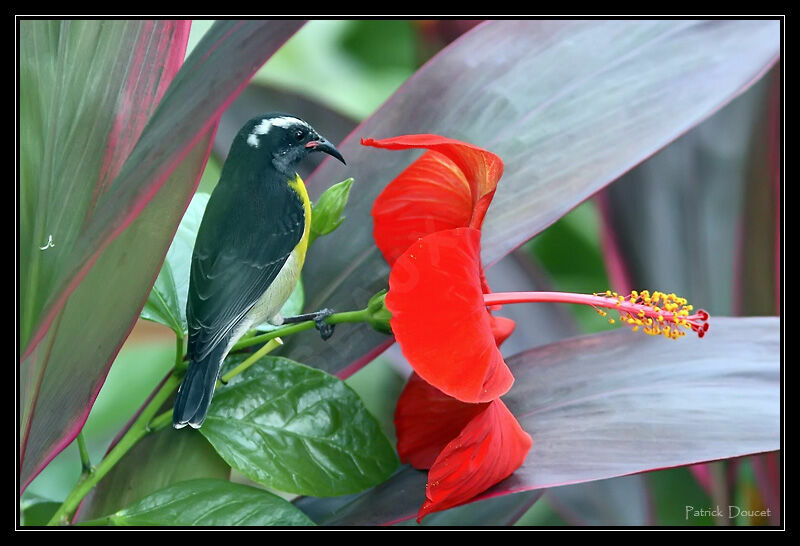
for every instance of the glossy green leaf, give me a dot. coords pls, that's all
(299, 430)
(167, 301)
(162, 305)
(614, 404)
(567, 105)
(116, 176)
(159, 460)
(208, 503)
(35, 510)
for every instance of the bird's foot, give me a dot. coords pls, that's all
(325, 329)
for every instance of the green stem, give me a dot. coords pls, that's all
(336, 318)
(252, 359)
(148, 422)
(179, 351)
(138, 430)
(86, 463)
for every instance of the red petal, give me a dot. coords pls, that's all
(502, 327)
(440, 320)
(430, 195)
(489, 449)
(426, 419)
(450, 186)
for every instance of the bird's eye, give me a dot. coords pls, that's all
(299, 135)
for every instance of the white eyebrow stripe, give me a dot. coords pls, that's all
(285, 122)
(263, 128)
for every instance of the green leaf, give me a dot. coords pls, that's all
(158, 460)
(167, 301)
(162, 304)
(299, 430)
(36, 510)
(326, 215)
(209, 503)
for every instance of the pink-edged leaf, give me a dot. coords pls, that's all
(88, 89)
(567, 105)
(699, 187)
(619, 501)
(767, 469)
(497, 511)
(757, 284)
(715, 188)
(619, 403)
(110, 265)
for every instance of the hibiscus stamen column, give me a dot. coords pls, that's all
(657, 314)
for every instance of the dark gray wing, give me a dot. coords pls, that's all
(245, 238)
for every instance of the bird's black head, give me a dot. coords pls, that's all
(285, 139)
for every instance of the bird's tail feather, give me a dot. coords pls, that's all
(194, 395)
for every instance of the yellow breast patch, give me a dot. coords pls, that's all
(298, 186)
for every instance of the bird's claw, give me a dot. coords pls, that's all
(325, 330)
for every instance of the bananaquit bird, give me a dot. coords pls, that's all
(249, 250)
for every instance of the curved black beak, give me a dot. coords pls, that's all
(321, 144)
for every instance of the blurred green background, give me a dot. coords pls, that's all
(348, 68)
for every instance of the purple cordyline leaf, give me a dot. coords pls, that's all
(767, 469)
(757, 284)
(108, 266)
(89, 89)
(676, 218)
(496, 511)
(714, 190)
(619, 501)
(535, 324)
(569, 106)
(614, 404)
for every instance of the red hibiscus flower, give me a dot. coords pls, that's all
(449, 418)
